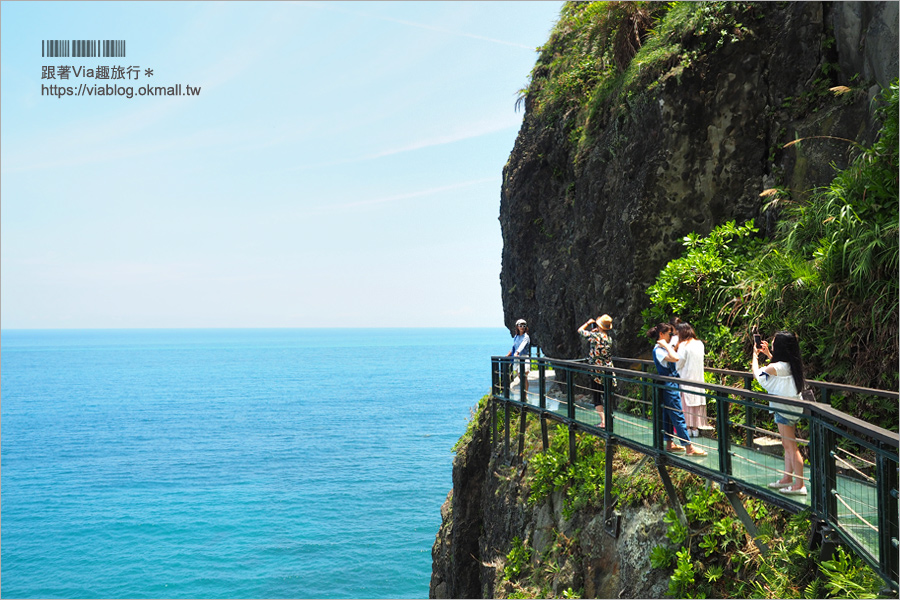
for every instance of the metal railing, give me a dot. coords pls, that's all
(851, 472)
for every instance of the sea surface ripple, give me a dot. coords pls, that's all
(281, 463)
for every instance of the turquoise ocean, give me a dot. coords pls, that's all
(270, 463)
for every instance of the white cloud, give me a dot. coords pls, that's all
(421, 26)
(476, 130)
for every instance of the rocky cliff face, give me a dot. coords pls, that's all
(586, 234)
(587, 226)
(487, 509)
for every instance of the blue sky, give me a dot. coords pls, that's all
(340, 167)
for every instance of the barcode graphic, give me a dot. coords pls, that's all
(83, 48)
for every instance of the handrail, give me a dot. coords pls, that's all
(838, 387)
(883, 435)
(835, 485)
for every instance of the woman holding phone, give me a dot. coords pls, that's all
(783, 376)
(665, 357)
(601, 355)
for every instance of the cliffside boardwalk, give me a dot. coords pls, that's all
(852, 467)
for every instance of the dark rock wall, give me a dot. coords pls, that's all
(866, 33)
(456, 568)
(586, 235)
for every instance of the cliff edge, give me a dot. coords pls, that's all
(488, 516)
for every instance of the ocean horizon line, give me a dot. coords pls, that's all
(320, 328)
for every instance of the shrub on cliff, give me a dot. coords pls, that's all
(600, 53)
(829, 274)
(715, 558)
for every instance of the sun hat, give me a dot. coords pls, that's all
(521, 322)
(605, 322)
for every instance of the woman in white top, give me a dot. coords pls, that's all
(522, 347)
(784, 377)
(690, 368)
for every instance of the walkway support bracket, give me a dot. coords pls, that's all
(542, 401)
(823, 537)
(522, 426)
(506, 432)
(570, 411)
(493, 423)
(730, 491)
(492, 409)
(670, 491)
(611, 518)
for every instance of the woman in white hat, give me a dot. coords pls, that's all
(601, 355)
(522, 347)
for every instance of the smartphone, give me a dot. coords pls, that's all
(757, 340)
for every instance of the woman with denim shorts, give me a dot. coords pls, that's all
(783, 376)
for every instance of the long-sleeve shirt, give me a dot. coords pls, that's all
(521, 345)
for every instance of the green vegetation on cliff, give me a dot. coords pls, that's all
(829, 273)
(713, 557)
(601, 54)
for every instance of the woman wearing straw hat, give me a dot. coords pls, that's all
(601, 355)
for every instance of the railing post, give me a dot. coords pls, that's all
(570, 410)
(886, 478)
(523, 381)
(542, 401)
(818, 490)
(829, 475)
(506, 391)
(523, 397)
(495, 377)
(607, 403)
(495, 389)
(644, 393)
(723, 424)
(504, 378)
(658, 437)
(749, 420)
